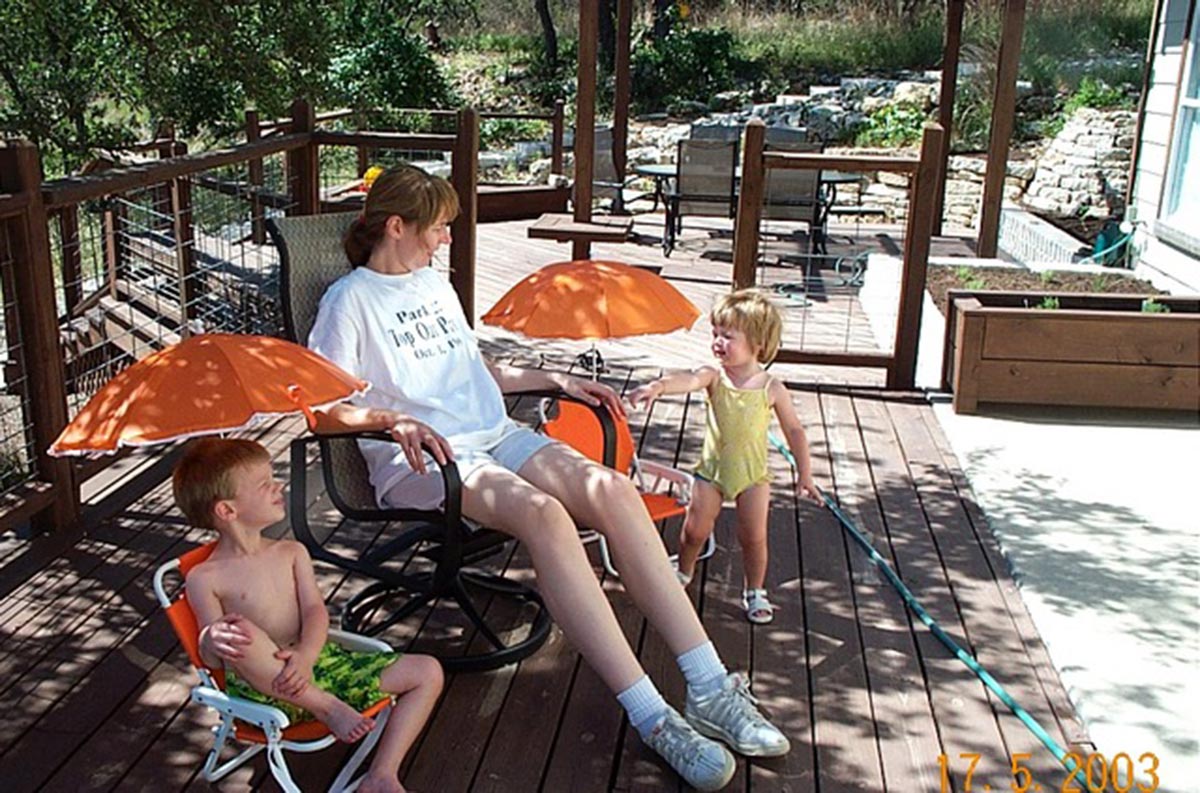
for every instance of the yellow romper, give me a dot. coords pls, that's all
(734, 456)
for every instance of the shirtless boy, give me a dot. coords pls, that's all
(263, 617)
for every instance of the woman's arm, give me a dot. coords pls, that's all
(673, 383)
(411, 434)
(513, 378)
(797, 439)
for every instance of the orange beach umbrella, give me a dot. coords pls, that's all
(207, 384)
(589, 299)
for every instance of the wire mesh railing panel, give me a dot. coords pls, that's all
(17, 452)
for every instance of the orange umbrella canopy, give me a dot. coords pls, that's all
(589, 299)
(207, 384)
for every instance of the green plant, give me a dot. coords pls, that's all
(893, 125)
(1046, 277)
(1049, 303)
(1097, 94)
(688, 65)
(969, 277)
(1152, 306)
(497, 133)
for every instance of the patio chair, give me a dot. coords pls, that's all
(705, 185)
(786, 136)
(728, 133)
(262, 727)
(605, 438)
(447, 548)
(795, 194)
(606, 182)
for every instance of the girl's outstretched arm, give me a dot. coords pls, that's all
(797, 440)
(673, 383)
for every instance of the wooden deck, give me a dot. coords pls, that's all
(94, 688)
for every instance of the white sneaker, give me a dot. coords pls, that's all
(730, 714)
(704, 764)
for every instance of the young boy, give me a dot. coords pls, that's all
(263, 618)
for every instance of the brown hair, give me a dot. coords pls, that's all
(202, 476)
(751, 312)
(403, 190)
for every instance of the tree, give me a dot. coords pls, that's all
(549, 36)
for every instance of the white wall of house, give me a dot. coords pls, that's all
(1166, 195)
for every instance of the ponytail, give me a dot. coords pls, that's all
(404, 191)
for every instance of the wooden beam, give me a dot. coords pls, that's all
(385, 140)
(557, 125)
(303, 162)
(33, 265)
(1004, 103)
(185, 245)
(949, 90)
(623, 89)
(72, 257)
(917, 236)
(258, 228)
(839, 162)
(585, 121)
(464, 175)
(749, 210)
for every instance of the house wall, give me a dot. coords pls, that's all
(1172, 266)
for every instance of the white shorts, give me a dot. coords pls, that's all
(428, 491)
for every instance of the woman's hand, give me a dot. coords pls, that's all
(415, 436)
(644, 395)
(593, 393)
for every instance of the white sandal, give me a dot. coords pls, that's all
(757, 607)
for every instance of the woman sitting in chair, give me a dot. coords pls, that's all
(397, 323)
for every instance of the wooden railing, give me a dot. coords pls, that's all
(49, 299)
(901, 363)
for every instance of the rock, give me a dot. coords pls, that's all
(910, 93)
(872, 103)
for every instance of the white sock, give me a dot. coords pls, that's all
(644, 705)
(702, 668)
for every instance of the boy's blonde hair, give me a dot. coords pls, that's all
(752, 313)
(203, 475)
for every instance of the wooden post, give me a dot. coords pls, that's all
(585, 122)
(29, 242)
(464, 175)
(305, 187)
(621, 95)
(164, 137)
(1004, 103)
(749, 210)
(953, 44)
(258, 226)
(112, 225)
(556, 138)
(902, 373)
(72, 257)
(185, 246)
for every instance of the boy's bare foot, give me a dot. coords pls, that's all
(346, 723)
(380, 784)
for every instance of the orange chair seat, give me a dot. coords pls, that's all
(662, 506)
(304, 731)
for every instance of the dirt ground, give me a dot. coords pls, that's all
(942, 278)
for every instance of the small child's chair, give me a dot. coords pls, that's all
(605, 438)
(262, 726)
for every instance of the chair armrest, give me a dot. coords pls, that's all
(669, 474)
(358, 643)
(266, 717)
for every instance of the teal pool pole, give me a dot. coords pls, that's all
(1026, 718)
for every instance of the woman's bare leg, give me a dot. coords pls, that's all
(415, 681)
(501, 500)
(698, 524)
(753, 506)
(601, 499)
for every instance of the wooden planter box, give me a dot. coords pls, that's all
(1094, 350)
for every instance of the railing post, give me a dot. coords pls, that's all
(185, 245)
(953, 43)
(72, 257)
(464, 172)
(29, 241)
(557, 125)
(749, 212)
(305, 187)
(258, 228)
(164, 137)
(918, 232)
(1004, 102)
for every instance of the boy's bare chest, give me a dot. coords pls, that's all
(264, 591)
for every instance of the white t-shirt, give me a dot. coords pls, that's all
(408, 337)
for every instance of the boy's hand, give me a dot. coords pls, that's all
(645, 394)
(226, 637)
(295, 676)
(807, 488)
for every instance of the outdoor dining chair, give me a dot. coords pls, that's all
(605, 438)
(795, 194)
(446, 551)
(705, 185)
(722, 132)
(260, 727)
(606, 182)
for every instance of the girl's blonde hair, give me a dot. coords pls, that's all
(403, 190)
(750, 312)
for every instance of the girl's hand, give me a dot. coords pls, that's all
(807, 488)
(414, 436)
(645, 394)
(593, 393)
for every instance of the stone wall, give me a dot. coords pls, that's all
(1085, 169)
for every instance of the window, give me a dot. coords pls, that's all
(1182, 206)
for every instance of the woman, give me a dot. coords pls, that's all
(397, 323)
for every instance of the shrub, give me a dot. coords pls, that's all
(687, 65)
(893, 125)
